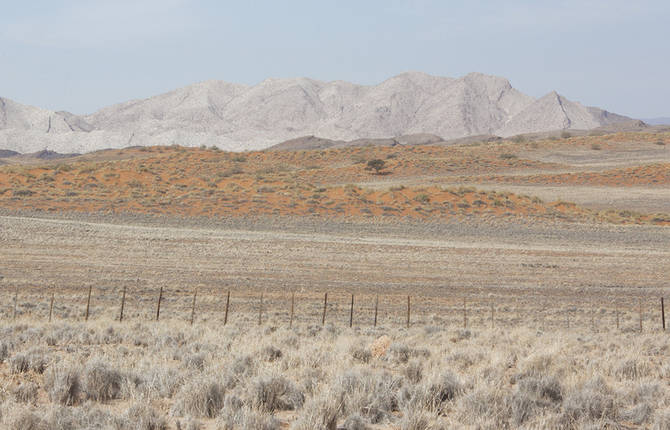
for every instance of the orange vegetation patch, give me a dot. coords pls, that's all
(657, 174)
(200, 182)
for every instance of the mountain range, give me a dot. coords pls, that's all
(657, 121)
(239, 117)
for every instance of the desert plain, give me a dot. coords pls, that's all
(497, 284)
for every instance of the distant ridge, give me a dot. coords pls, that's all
(240, 117)
(658, 121)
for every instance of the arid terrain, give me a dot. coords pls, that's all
(534, 270)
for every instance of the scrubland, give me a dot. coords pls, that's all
(143, 375)
(415, 182)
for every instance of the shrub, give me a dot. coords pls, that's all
(19, 363)
(62, 384)
(24, 419)
(534, 393)
(360, 353)
(319, 413)
(596, 147)
(23, 192)
(376, 164)
(354, 422)
(277, 393)
(199, 398)
(245, 419)
(243, 366)
(26, 392)
(102, 383)
(4, 351)
(415, 419)
(593, 401)
(414, 371)
(508, 156)
(142, 416)
(441, 389)
(162, 381)
(422, 198)
(270, 353)
(371, 394)
(34, 360)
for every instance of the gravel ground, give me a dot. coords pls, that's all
(529, 271)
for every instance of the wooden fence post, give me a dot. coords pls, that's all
(593, 317)
(662, 314)
(88, 301)
(567, 318)
(640, 301)
(260, 311)
(51, 305)
(518, 315)
(195, 294)
(465, 313)
(351, 312)
(408, 310)
(492, 320)
(290, 322)
(123, 303)
(225, 317)
(16, 299)
(158, 306)
(376, 307)
(325, 305)
(617, 316)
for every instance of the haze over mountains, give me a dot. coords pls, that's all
(239, 117)
(657, 121)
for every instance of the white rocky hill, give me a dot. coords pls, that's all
(239, 117)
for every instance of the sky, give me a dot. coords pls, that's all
(82, 55)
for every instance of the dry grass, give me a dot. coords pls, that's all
(141, 375)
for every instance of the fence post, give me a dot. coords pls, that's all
(260, 311)
(290, 322)
(225, 317)
(376, 307)
(158, 306)
(351, 312)
(544, 312)
(16, 299)
(408, 310)
(518, 315)
(123, 303)
(567, 318)
(325, 305)
(662, 314)
(51, 305)
(465, 314)
(195, 294)
(492, 320)
(593, 318)
(88, 301)
(640, 301)
(617, 316)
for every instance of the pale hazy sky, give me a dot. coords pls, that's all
(80, 55)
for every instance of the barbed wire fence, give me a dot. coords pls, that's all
(208, 304)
